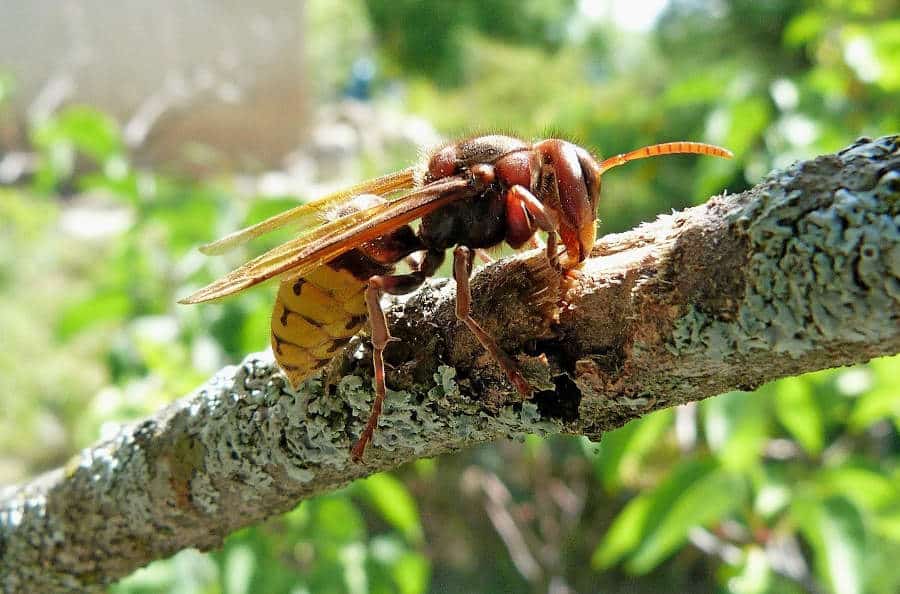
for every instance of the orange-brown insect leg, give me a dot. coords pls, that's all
(484, 256)
(395, 285)
(525, 215)
(462, 267)
(553, 251)
(544, 218)
(381, 336)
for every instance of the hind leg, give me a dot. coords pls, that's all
(397, 284)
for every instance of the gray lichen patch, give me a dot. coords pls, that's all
(822, 266)
(268, 432)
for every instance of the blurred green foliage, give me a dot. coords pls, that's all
(793, 488)
(430, 38)
(322, 546)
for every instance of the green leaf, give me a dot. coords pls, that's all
(736, 428)
(622, 451)
(804, 28)
(104, 306)
(426, 468)
(239, 565)
(749, 118)
(869, 489)
(772, 496)
(888, 525)
(654, 524)
(88, 130)
(391, 498)
(625, 533)
(835, 530)
(797, 409)
(187, 221)
(256, 325)
(874, 406)
(700, 502)
(886, 370)
(702, 86)
(336, 521)
(882, 401)
(412, 572)
(885, 38)
(755, 576)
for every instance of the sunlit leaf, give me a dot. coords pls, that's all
(888, 525)
(885, 38)
(886, 369)
(749, 117)
(239, 566)
(736, 427)
(797, 409)
(654, 524)
(835, 530)
(883, 400)
(804, 27)
(755, 576)
(353, 559)
(89, 129)
(771, 498)
(625, 533)
(104, 306)
(337, 521)
(620, 453)
(699, 502)
(412, 573)
(392, 500)
(868, 488)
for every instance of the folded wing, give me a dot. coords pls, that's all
(312, 214)
(328, 241)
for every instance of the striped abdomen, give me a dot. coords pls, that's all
(317, 314)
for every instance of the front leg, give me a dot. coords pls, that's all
(525, 214)
(462, 267)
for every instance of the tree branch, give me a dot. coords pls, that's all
(800, 273)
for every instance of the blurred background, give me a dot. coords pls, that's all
(132, 132)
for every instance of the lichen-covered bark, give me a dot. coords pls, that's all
(800, 273)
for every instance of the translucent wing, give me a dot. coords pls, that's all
(328, 241)
(310, 215)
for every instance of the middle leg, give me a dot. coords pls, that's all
(462, 267)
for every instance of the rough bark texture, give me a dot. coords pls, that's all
(800, 273)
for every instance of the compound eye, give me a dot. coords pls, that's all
(590, 170)
(573, 191)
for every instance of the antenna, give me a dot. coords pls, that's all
(666, 148)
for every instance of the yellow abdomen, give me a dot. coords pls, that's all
(314, 318)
